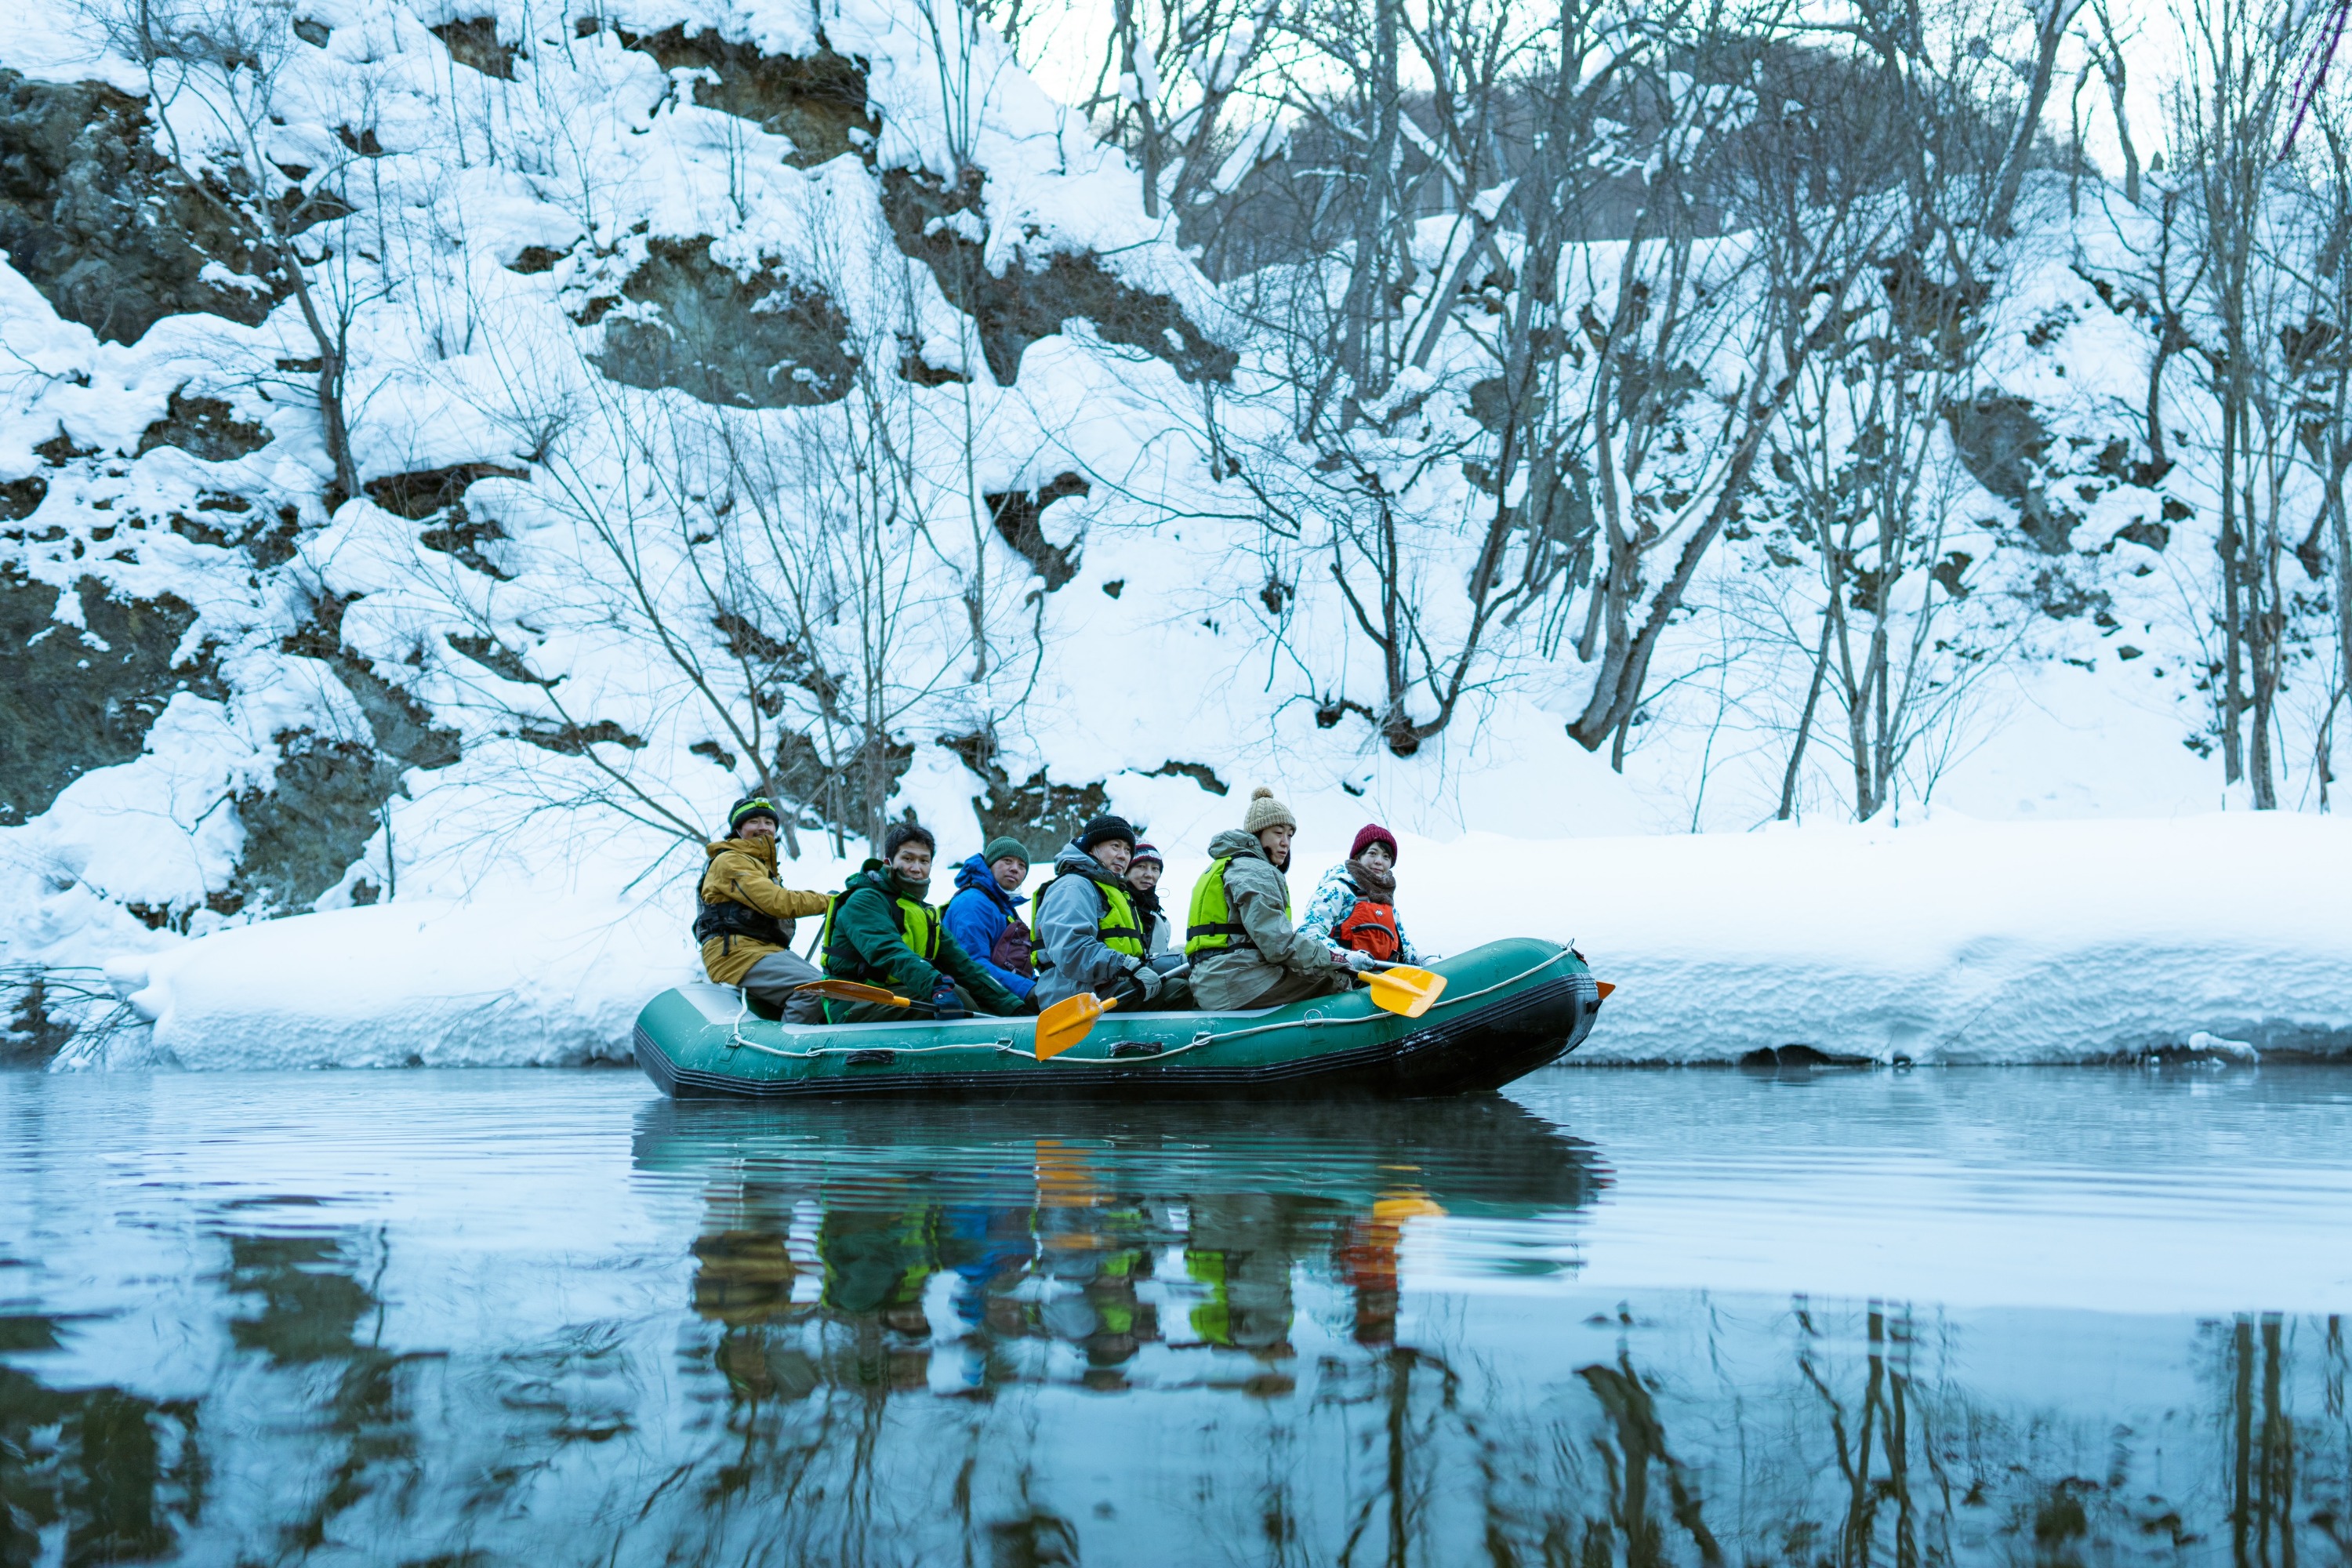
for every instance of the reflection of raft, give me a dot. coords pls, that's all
(1477, 1155)
(1509, 1008)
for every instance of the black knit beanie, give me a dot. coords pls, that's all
(1102, 830)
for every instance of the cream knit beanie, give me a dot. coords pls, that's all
(1265, 811)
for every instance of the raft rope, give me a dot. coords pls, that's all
(1205, 1037)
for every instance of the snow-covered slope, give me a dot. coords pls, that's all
(753, 386)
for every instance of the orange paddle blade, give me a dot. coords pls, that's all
(1404, 990)
(1605, 989)
(850, 991)
(1068, 1021)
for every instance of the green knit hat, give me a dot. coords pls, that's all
(1006, 848)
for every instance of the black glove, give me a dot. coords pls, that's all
(945, 1003)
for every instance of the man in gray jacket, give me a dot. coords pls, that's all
(1089, 936)
(1244, 951)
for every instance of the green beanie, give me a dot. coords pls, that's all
(750, 806)
(1006, 848)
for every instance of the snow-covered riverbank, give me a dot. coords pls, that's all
(1957, 942)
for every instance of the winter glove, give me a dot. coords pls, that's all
(1147, 979)
(1362, 963)
(945, 1003)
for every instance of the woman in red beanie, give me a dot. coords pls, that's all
(1354, 906)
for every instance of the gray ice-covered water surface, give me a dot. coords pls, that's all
(1647, 1319)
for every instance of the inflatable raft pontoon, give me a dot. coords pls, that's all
(1509, 1008)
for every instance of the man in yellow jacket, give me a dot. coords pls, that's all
(744, 920)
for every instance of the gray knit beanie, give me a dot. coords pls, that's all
(1265, 811)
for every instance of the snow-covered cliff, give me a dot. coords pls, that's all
(761, 390)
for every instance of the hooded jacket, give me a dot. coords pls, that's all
(980, 916)
(1259, 898)
(875, 954)
(1159, 929)
(1069, 916)
(743, 871)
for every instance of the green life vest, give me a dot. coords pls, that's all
(1211, 927)
(917, 923)
(1119, 930)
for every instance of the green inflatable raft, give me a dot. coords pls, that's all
(1509, 1008)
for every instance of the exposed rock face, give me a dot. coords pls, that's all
(755, 341)
(20, 498)
(329, 794)
(403, 727)
(2003, 441)
(315, 820)
(105, 226)
(1019, 518)
(437, 496)
(1042, 815)
(205, 427)
(817, 103)
(475, 42)
(67, 706)
(1017, 309)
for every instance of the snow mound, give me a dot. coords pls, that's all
(2215, 938)
(498, 983)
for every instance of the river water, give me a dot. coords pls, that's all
(2031, 1316)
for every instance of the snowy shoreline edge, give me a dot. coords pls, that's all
(2217, 938)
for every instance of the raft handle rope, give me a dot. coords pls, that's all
(1004, 1046)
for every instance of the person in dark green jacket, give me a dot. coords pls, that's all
(879, 931)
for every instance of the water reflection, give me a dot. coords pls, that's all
(723, 1334)
(106, 1473)
(961, 1250)
(975, 1259)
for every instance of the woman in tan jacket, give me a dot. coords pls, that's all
(745, 918)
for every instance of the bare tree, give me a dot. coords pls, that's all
(2107, 52)
(781, 572)
(1811, 218)
(220, 63)
(2052, 19)
(2314, 365)
(2226, 113)
(1171, 71)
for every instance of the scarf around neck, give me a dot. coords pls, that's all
(1378, 885)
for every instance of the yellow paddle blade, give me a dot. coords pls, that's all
(1068, 1021)
(1396, 1208)
(850, 991)
(1405, 991)
(1605, 988)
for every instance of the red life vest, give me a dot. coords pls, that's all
(1371, 927)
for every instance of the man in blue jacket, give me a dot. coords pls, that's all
(984, 916)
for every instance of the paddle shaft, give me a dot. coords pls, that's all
(851, 991)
